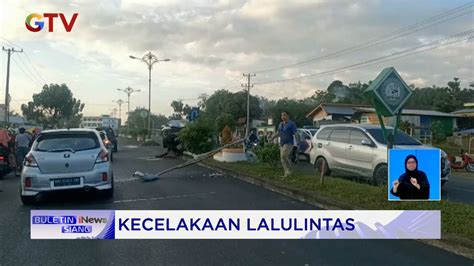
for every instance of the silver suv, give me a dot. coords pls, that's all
(361, 150)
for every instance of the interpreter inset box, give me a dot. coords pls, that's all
(414, 174)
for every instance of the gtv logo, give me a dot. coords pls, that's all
(39, 23)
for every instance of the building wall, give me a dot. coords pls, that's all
(371, 118)
(110, 122)
(446, 122)
(320, 115)
(99, 121)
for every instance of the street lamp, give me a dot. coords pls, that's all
(129, 92)
(119, 102)
(149, 59)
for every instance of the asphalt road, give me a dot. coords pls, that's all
(459, 188)
(194, 188)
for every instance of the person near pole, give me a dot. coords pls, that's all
(286, 132)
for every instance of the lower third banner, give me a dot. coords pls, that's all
(252, 224)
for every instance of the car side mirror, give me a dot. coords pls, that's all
(366, 143)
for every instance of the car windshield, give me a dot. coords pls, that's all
(401, 138)
(58, 142)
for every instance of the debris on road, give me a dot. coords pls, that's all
(145, 176)
(215, 175)
(196, 159)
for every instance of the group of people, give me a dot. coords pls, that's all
(15, 145)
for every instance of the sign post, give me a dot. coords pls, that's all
(388, 93)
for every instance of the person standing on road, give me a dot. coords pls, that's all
(23, 141)
(286, 132)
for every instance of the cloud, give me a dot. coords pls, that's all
(211, 43)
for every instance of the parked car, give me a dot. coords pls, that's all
(112, 138)
(361, 150)
(303, 140)
(66, 159)
(108, 144)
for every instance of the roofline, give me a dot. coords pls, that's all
(413, 112)
(321, 105)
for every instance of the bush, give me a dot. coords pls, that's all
(196, 138)
(138, 132)
(269, 154)
(439, 135)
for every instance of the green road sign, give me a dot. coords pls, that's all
(389, 92)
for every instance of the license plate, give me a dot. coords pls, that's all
(62, 182)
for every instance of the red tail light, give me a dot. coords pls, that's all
(104, 177)
(30, 161)
(102, 157)
(28, 182)
(2, 158)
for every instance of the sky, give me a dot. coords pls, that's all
(212, 42)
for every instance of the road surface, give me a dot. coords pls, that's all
(189, 189)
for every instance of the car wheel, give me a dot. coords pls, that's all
(380, 175)
(319, 166)
(28, 200)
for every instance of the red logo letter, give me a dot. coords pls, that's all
(50, 17)
(68, 26)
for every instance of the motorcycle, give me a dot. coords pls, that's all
(467, 163)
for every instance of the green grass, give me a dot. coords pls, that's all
(457, 218)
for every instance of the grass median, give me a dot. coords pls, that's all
(457, 219)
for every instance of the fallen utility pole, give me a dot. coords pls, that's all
(197, 158)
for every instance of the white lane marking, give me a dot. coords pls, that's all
(165, 197)
(127, 179)
(131, 146)
(149, 158)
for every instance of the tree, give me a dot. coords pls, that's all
(233, 104)
(224, 120)
(337, 92)
(267, 107)
(297, 110)
(139, 124)
(197, 137)
(177, 106)
(54, 107)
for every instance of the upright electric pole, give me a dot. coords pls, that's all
(150, 59)
(248, 86)
(129, 92)
(7, 92)
(114, 112)
(119, 102)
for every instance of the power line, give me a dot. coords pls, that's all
(29, 71)
(384, 38)
(27, 57)
(10, 43)
(26, 74)
(34, 68)
(433, 45)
